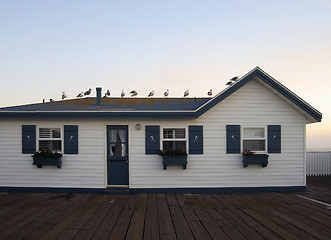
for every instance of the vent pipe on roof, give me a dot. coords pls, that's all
(99, 89)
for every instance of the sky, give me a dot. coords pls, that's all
(47, 47)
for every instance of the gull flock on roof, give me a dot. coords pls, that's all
(134, 93)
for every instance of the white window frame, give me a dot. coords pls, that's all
(252, 138)
(50, 139)
(174, 139)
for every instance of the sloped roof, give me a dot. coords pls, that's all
(115, 104)
(157, 107)
(109, 107)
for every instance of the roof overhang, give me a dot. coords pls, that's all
(98, 114)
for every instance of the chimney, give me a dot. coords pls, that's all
(99, 89)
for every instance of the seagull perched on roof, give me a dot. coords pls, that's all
(81, 94)
(229, 83)
(133, 93)
(107, 94)
(186, 93)
(64, 96)
(210, 92)
(88, 92)
(151, 94)
(122, 93)
(166, 93)
(234, 78)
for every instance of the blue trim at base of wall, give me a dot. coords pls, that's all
(219, 190)
(159, 190)
(52, 190)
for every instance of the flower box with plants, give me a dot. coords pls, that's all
(252, 158)
(41, 158)
(173, 157)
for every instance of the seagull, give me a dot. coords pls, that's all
(186, 93)
(133, 93)
(81, 94)
(151, 94)
(88, 92)
(234, 78)
(210, 92)
(64, 96)
(166, 94)
(229, 83)
(51, 100)
(122, 93)
(107, 94)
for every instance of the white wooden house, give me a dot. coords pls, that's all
(110, 142)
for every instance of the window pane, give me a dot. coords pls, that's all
(44, 132)
(180, 133)
(56, 146)
(56, 133)
(254, 145)
(44, 145)
(168, 133)
(118, 149)
(49, 145)
(181, 145)
(168, 145)
(253, 132)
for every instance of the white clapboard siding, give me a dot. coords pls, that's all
(318, 163)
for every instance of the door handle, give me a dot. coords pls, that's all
(127, 161)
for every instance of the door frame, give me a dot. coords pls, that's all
(126, 158)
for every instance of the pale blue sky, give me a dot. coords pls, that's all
(47, 47)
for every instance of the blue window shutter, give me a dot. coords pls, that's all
(195, 134)
(232, 138)
(28, 138)
(70, 139)
(152, 139)
(274, 139)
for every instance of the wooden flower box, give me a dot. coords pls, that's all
(40, 161)
(181, 160)
(256, 159)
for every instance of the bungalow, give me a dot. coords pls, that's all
(115, 142)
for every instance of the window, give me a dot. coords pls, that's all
(117, 142)
(50, 139)
(174, 138)
(254, 139)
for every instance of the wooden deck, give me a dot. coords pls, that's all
(169, 216)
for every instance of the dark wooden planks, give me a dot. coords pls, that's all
(188, 206)
(167, 229)
(180, 224)
(151, 226)
(121, 226)
(107, 224)
(43, 220)
(164, 216)
(67, 221)
(106, 205)
(136, 227)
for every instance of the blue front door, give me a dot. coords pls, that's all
(117, 155)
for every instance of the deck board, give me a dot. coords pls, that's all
(151, 227)
(168, 216)
(167, 230)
